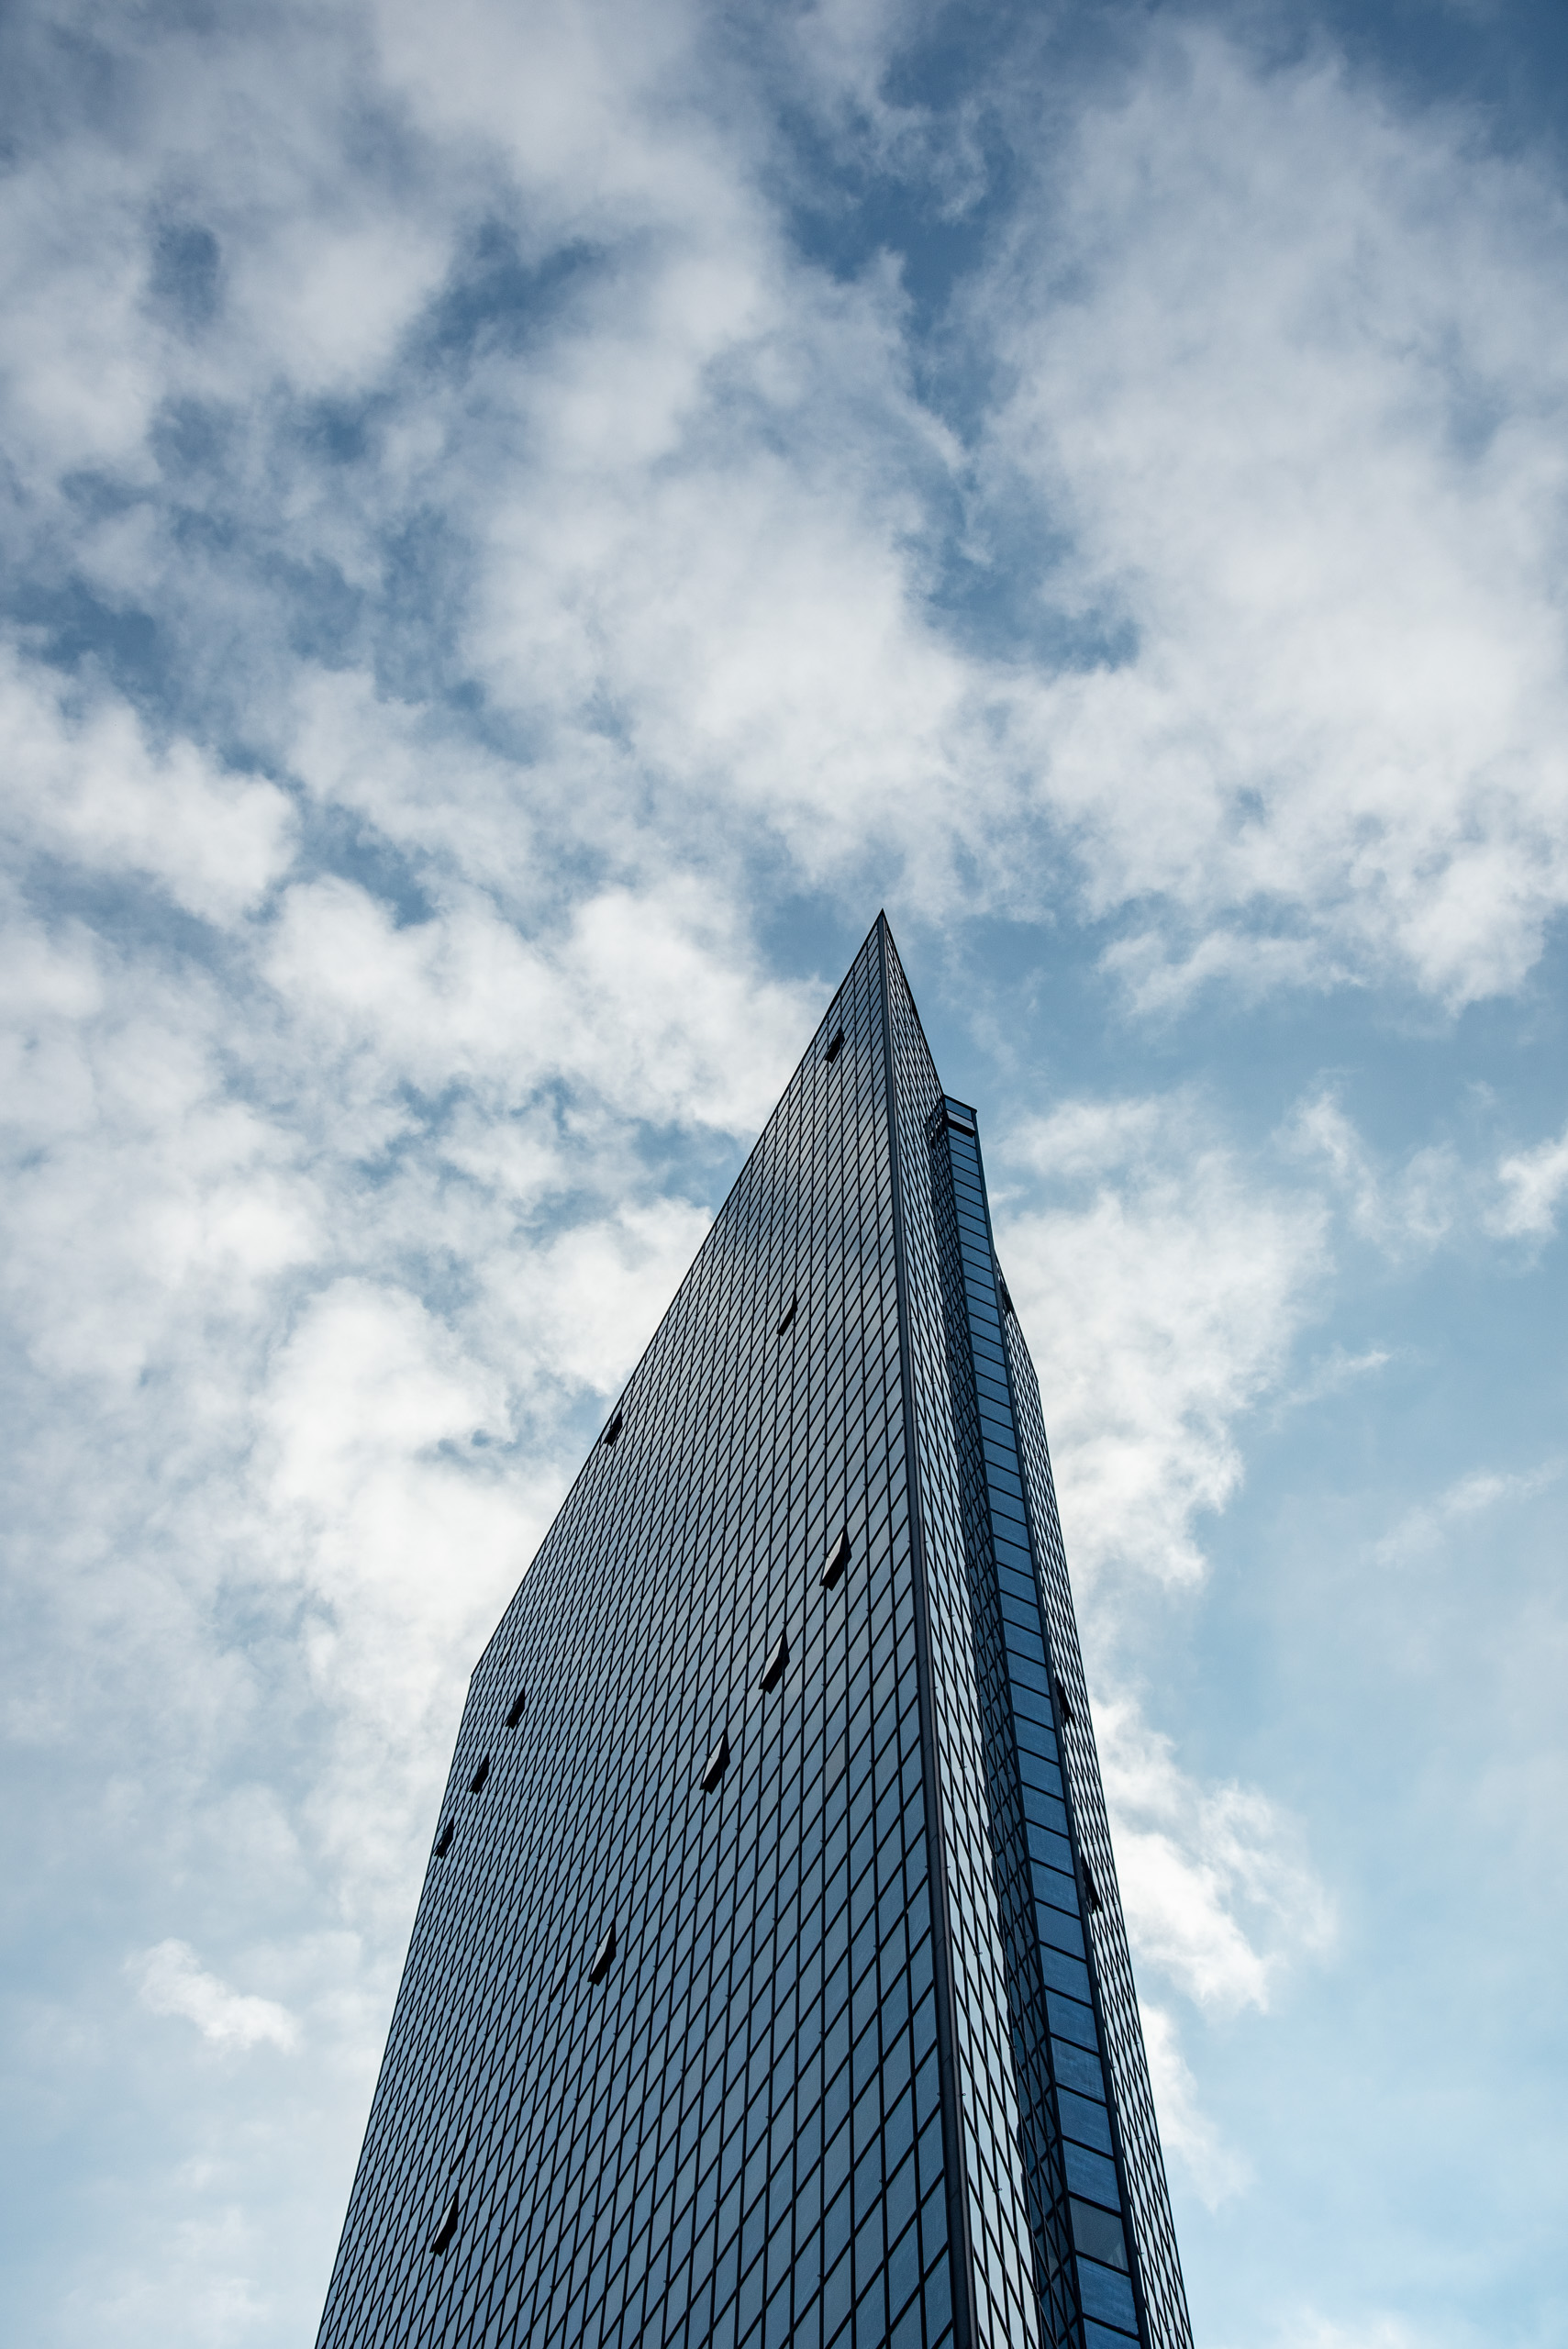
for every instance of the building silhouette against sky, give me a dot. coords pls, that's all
(769, 1985)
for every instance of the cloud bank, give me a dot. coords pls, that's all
(503, 564)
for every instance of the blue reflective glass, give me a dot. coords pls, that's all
(696, 2038)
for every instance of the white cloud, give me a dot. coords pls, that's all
(1218, 1891)
(1187, 2133)
(1402, 1212)
(1426, 1527)
(327, 301)
(1093, 1138)
(368, 1376)
(86, 785)
(1308, 453)
(617, 631)
(1534, 1181)
(1161, 1308)
(648, 1001)
(147, 1206)
(1295, 455)
(731, 575)
(172, 1980)
(598, 1290)
(1161, 1297)
(590, 110)
(382, 1492)
(317, 264)
(1335, 1370)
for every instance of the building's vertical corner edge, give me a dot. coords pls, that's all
(1154, 2332)
(960, 2255)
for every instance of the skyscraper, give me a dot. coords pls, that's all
(769, 1983)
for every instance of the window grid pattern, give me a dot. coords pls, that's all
(1006, 2312)
(1049, 1990)
(666, 2065)
(1103, 2122)
(735, 2136)
(1141, 2161)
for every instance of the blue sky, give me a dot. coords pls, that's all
(523, 527)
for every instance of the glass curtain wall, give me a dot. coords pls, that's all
(742, 2005)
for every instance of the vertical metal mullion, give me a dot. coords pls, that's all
(960, 2248)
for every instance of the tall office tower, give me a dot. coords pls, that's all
(769, 1983)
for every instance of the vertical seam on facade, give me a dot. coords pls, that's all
(963, 1338)
(1156, 2254)
(960, 2252)
(1124, 2183)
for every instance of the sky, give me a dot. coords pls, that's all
(523, 527)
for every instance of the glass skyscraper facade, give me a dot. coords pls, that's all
(769, 1983)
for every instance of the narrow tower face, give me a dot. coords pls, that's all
(769, 1983)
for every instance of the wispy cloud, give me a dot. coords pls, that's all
(1403, 1210)
(1161, 1295)
(1331, 1374)
(1220, 1891)
(1219, 2173)
(1532, 1180)
(1425, 1528)
(172, 1980)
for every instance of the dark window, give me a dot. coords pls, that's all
(476, 1784)
(444, 1840)
(836, 1047)
(789, 1315)
(717, 1764)
(515, 1714)
(1004, 1293)
(603, 1954)
(773, 1670)
(1091, 1888)
(446, 2229)
(838, 1559)
(615, 1427)
(961, 1121)
(1098, 2233)
(1061, 1697)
